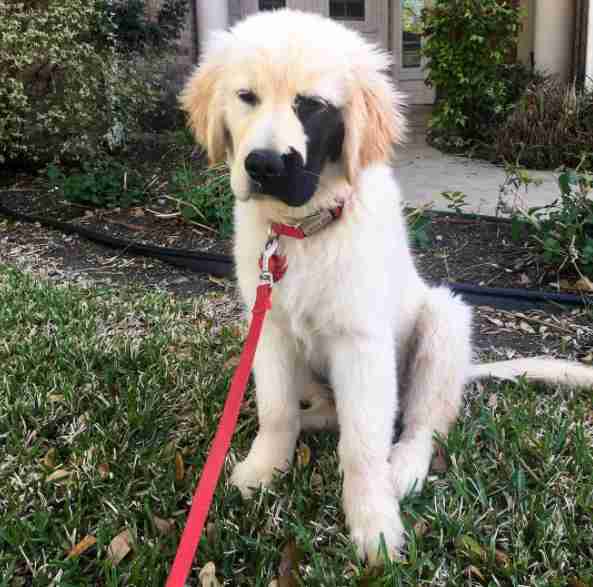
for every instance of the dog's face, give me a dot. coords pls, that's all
(279, 139)
(286, 94)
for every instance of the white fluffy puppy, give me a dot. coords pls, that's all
(303, 112)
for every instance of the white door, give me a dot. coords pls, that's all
(409, 64)
(369, 17)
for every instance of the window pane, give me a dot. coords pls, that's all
(271, 4)
(347, 9)
(411, 33)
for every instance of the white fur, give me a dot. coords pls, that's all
(351, 305)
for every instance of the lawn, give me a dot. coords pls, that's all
(109, 399)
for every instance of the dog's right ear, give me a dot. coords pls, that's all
(200, 98)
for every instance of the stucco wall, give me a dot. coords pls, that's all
(554, 36)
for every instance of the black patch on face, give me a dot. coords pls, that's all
(292, 182)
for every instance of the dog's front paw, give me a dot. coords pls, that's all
(373, 518)
(269, 455)
(410, 462)
(248, 476)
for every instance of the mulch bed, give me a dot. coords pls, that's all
(462, 250)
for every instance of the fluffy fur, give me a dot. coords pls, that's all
(351, 308)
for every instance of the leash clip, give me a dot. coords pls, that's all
(266, 277)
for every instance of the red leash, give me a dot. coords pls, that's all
(202, 498)
(273, 267)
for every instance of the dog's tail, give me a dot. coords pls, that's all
(552, 371)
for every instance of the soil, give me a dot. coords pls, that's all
(465, 250)
(482, 251)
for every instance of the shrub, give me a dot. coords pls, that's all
(551, 126)
(69, 77)
(105, 183)
(51, 79)
(561, 233)
(468, 45)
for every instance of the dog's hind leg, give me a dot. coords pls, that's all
(435, 361)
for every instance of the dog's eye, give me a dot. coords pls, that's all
(309, 104)
(248, 96)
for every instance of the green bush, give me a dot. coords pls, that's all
(104, 183)
(51, 79)
(70, 78)
(561, 233)
(468, 45)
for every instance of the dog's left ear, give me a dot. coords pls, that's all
(200, 99)
(374, 124)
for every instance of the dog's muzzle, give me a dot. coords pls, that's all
(281, 176)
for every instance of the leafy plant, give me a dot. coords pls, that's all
(561, 233)
(205, 197)
(106, 183)
(418, 226)
(456, 201)
(468, 44)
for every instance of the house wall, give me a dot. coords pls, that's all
(554, 36)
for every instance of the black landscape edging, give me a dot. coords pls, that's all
(211, 263)
(223, 266)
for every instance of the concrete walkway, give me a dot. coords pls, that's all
(424, 173)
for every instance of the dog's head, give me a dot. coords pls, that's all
(284, 96)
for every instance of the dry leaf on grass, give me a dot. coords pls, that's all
(473, 571)
(49, 460)
(103, 469)
(303, 455)
(288, 569)
(120, 547)
(162, 525)
(179, 467)
(208, 576)
(232, 362)
(439, 461)
(421, 527)
(82, 546)
(584, 284)
(58, 475)
(502, 558)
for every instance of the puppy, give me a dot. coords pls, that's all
(303, 111)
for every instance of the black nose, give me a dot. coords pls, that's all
(263, 164)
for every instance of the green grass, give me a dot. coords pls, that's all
(113, 386)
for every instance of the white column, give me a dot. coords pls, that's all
(212, 16)
(589, 57)
(554, 36)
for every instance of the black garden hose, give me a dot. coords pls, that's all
(222, 266)
(211, 263)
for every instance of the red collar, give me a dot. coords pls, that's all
(273, 265)
(310, 225)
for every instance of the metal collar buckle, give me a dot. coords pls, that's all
(266, 277)
(316, 222)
